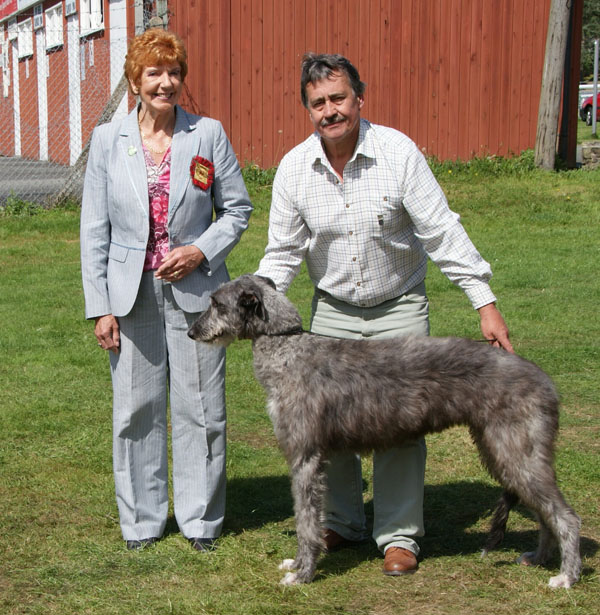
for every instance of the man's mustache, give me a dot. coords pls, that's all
(332, 120)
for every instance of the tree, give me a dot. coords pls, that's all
(591, 31)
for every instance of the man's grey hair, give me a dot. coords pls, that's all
(318, 66)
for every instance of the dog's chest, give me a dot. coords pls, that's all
(277, 361)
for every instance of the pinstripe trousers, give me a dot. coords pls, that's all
(398, 473)
(157, 363)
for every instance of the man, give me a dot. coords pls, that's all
(360, 204)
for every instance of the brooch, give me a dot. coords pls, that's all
(202, 172)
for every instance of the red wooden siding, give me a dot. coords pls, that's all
(460, 77)
(30, 145)
(58, 105)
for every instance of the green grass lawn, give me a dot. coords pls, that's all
(584, 133)
(60, 545)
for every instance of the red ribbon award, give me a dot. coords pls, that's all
(202, 172)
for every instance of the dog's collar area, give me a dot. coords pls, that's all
(294, 331)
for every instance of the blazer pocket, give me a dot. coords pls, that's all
(118, 253)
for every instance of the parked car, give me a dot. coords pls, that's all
(586, 109)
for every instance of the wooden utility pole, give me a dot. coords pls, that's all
(552, 80)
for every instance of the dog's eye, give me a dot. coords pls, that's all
(220, 307)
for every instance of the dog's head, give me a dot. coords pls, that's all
(241, 309)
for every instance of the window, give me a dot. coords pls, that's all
(25, 38)
(38, 17)
(12, 29)
(3, 50)
(91, 16)
(70, 7)
(54, 26)
(5, 65)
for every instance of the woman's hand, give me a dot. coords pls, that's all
(179, 262)
(107, 333)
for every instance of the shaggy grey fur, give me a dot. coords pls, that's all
(327, 394)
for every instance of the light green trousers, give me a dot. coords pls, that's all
(398, 473)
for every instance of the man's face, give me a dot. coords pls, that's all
(334, 109)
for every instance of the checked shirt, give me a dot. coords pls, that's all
(367, 239)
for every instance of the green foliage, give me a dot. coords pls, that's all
(488, 166)
(61, 551)
(257, 177)
(591, 31)
(16, 206)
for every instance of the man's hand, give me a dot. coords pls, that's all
(494, 328)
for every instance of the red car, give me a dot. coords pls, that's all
(586, 109)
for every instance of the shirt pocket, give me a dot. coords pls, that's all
(385, 216)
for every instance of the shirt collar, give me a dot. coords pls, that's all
(364, 145)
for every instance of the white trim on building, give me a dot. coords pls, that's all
(42, 91)
(73, 50)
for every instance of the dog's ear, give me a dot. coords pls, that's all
(268, 281)
(252, 302)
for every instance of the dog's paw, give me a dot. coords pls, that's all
(527, 559)
(291, 578)
(287, 564)
(561, 580)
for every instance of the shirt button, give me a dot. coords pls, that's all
(351, 232)
(353, 259)
(358, 283)
(347, 205)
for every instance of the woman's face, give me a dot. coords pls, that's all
(160, 87)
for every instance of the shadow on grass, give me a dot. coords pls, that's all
(450, 511)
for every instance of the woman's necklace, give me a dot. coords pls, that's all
(146, 141)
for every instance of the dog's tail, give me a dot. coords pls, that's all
(506, 502)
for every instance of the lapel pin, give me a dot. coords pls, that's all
(132, 151)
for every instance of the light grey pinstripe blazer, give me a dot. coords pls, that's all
(115, 212)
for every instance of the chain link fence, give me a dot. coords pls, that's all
(52, 95)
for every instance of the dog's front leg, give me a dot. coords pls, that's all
(308, 485)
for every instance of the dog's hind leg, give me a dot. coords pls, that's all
(519, 455)
(535, 484)
(498, 526)
(557, 521)
(308, 486)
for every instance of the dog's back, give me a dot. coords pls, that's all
(401, 387)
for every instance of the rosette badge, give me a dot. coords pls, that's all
(202, 172)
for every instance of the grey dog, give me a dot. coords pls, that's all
(326, 394)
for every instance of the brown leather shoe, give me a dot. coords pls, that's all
(333, 541)
(398, 561)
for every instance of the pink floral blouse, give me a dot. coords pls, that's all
(159, 177)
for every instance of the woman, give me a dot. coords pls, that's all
(163, 205)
